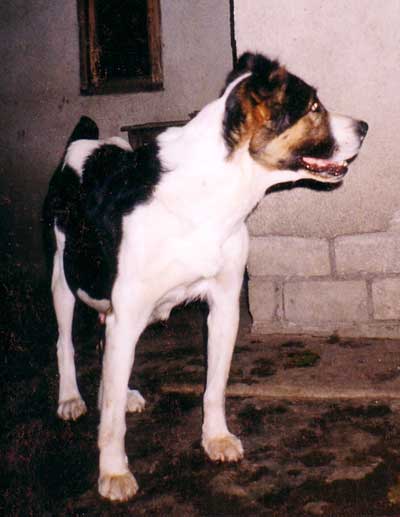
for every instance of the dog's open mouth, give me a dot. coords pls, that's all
(324, 168)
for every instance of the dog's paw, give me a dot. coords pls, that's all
(71, 409)
(135, 402)
(118, 488)
(223, 448)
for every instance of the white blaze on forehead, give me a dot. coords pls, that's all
(345, 134)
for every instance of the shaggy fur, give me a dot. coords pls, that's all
(140, 231)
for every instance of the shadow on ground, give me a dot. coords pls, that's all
(305, 456)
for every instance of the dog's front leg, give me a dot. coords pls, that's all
(124, 327)
(223, 322)
(218, 442)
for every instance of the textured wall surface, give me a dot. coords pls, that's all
(40, 100)
(329, 261)
(349, 50)
(348, 285)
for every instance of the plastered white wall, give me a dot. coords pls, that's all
(349, 50)
(40, 100)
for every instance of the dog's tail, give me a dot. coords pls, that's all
(56, 201)
(85, 129)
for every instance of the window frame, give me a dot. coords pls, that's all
(90, 81)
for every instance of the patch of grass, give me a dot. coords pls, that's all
(293, 344)
(264, 368)
(303, 359)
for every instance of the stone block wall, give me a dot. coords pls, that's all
(347, 285)
(339, 271)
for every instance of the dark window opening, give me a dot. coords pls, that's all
(120, 43)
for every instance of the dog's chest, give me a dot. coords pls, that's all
(173, 258)
(171, 255)
(176, 269)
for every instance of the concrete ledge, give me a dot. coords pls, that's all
(288, 392)
(288, 256)
(387, 330)
(277, 367)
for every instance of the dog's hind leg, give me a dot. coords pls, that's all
(223, 322)
(70, 403)
(135, 403)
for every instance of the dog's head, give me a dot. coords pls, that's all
(284, 124)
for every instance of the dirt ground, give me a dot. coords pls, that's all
(319, 419)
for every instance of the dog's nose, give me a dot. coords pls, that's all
(362, 128)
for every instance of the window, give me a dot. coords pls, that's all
(120, 46)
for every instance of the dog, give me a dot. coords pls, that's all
(138, 232)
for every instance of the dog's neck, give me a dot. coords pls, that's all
(202, 181)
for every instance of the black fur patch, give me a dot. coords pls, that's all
(260, 66)
(298, 95)
(86, 128)
(234, 118)
(62, 189)
(89, 212)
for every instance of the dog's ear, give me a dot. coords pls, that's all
(255, 63)
(267, 77)
(266, 74)
(256, 99)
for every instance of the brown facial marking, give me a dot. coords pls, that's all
(279, 118)
(281, 151)
(258, 112)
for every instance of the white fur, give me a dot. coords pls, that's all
(78, 152)
(200, 205)
(119, 142)
(344, 132)
(190, 241)
(70, 403)
(101, 306)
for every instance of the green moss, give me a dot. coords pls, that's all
(303, 359)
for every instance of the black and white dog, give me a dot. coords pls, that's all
(139, 231)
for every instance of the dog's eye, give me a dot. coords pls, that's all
(315, 107)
